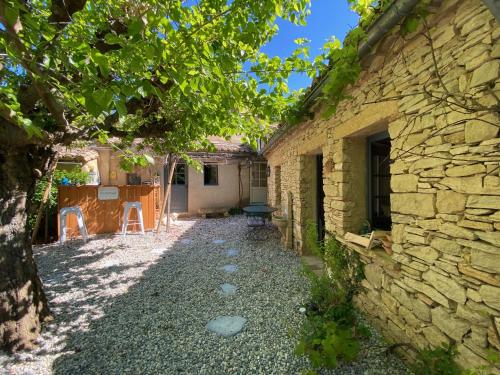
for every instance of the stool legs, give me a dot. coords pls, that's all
(63, 217)
(126, 214)
(62, 226)
(141, 221)
(81, 226)
(125, 221)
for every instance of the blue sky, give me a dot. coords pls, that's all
(327, 18)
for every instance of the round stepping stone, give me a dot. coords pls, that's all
(232, 252)
(185, 241)
(218, 242)
(229, 268)
(226, 325)
(228, 289)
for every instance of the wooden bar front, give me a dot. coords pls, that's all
(105, 216)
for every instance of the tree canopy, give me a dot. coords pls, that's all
(171, 71)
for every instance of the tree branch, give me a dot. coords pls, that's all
(52, 105)
(63, 10)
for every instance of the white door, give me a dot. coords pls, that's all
(179, 201)
(258, 183)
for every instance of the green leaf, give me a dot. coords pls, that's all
(92, 106)
(410, 25)
(103, 137)
(102, 61)
(103, 98)
(193, 82)
(120, 106)
(11, 14)
(135, 26)
(183, 86)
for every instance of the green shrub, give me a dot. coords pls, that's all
(326, 341)
(235, 211)
(439, 361)
(331, 331)
(75, 176)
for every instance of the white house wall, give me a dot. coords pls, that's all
(223, 195)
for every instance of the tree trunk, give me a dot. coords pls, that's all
(23, 305)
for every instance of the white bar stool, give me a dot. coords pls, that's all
(127, 206)
(75, 210)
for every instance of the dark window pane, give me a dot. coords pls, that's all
(179, 177)
(210, 174)
(380, 182)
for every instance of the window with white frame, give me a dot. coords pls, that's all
(259, 175)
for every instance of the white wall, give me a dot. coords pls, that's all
(223, 195)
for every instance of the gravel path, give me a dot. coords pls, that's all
(141, 304)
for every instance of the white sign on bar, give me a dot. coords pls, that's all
(107, 193)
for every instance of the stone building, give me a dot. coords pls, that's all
(415, 150)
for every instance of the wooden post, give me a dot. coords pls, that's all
(46, 234)
(173, 162)
(46, 193)
(168, 209)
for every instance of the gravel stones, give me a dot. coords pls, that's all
(229, 268)
(226, 325)
(148, 313)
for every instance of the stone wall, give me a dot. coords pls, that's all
(442, 283)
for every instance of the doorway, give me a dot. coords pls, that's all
(258, 183)
(179, 201)
(320, 198)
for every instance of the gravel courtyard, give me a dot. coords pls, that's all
(141, 304)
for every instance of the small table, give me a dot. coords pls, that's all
(258, 211)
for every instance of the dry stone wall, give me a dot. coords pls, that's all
(442, 282)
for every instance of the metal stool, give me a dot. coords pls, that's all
(63, 213)
(127, 206)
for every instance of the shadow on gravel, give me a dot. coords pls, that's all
(158, 325)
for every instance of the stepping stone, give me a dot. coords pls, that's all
(218, 242)
(228, 289)
(185, 241)
(110, 263)
(158, 251)
(229, 268)
(232, 252)
(226, 325)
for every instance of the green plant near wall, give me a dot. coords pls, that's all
(331, 331)
(74, 176)
(438, 361)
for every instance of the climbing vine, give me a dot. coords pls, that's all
(343, 67)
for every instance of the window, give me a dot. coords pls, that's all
(211, 174)
(133, 179)
(379, 181)
(259, 175)
(179, 177)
